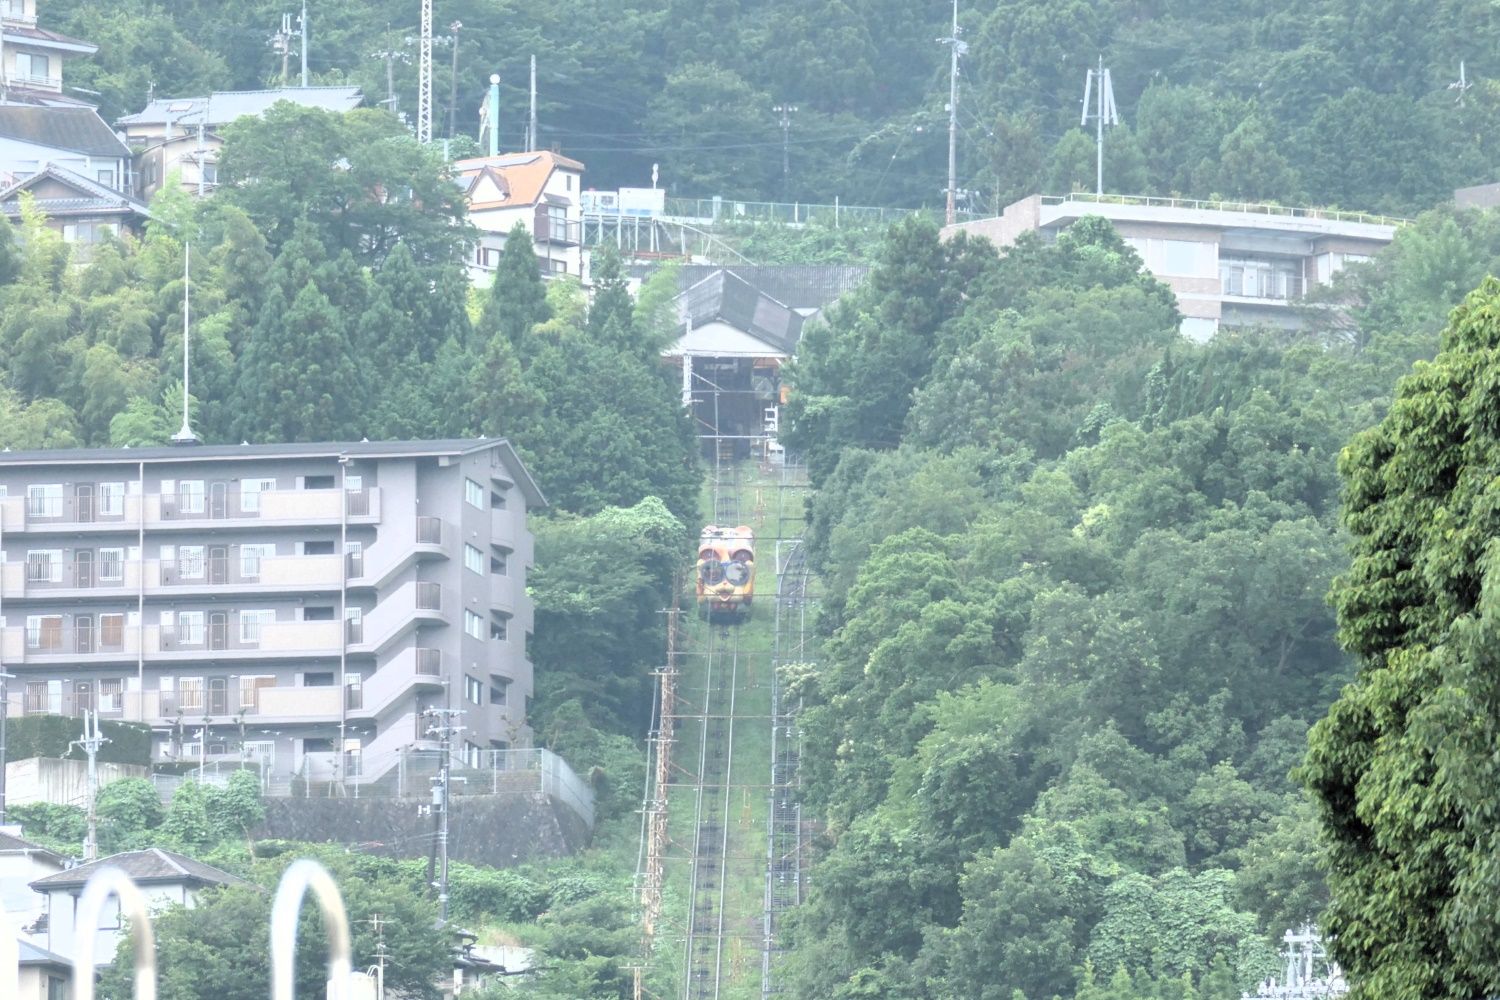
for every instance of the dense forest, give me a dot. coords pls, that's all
(1337, 102)
(1076, 625)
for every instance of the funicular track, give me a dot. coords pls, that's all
(787, 833)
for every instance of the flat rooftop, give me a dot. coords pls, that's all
(1065, 209)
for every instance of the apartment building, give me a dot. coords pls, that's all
(297, 606)
(1230, 264)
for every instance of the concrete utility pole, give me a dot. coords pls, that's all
(302, 23)
(444, 730)
(1098, 82)
(455, 27)
(90, 744)
(786, 111)
(958, 49)
(494, 114)
(424, 76)
(532, 139)
(4, 714)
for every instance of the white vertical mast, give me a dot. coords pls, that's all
(424, 76)
(185, 435)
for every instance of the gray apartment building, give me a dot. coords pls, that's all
(1230, 264)
(296, 606)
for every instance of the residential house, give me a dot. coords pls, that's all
(164, 878)
(32, 58)
(1230, 264)
(83, 211)
(22, 863)
(44, 975)
(75, 139)
(182, 133)
(293, 606)
(542, 191)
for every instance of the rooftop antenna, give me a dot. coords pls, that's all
(424, 76)
(959, 49)
(186, 435)
(1461, 85)
(1099, 84)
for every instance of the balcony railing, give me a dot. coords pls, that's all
(220, 504)
(429, 662)
(1274, 286)
(429, 530)
(307, 571)
(429, 596)
(72, 640)
(231, 635)
(1240, 207)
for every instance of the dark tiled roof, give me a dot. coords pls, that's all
(77, 130)
(726, 297)
(151, 865)
(95, 198)
(800, 286)
(11, 844)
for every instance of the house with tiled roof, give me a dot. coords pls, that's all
(182, 133)
(83, 211)
(542, 191)
(164, 877)
(76, 139)
(32, 58)
(22, 863)
(41, 973)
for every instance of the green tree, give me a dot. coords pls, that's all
(517, 299)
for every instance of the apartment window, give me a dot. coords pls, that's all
(33, 66)
(44, 696)
(497, 564)
(317, 482)
(474, 494)
(324, 548)
(473, 559)
(111, 499)
(250, 491)
(473, 624)
(44, 500)
(190, 693)
(250, 557)
(498, 689)
(498, 630)
(112, 565)
(251, 623)
(190, 496)
(318, 679)
(250, 687)
(107, 178)
(190, 562)
(44, 632)
(473, 691)
(189, 627)
(44, 566)
(321, 613)
(111, 695)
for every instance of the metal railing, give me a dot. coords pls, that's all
(1241, 207)
(429, 530)
(429, 596)
(788, 213)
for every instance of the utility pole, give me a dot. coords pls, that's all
(532, 139)
(302, 23)
(1098, 82)
(455, 27)
(786, 111)
(444, 730)
(424, 76)
(958, 49)
(185, 435)
(282, 44)
(90, 744)
(381, 955)
(493, 114)
(4, 714)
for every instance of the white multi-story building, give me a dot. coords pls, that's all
(298, 606)
(542, 191)
(1229, 263)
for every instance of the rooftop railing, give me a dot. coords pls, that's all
(1241, 207)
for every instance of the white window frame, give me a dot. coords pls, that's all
(474, 560)
(473, 690)
(44, 565)
(111, 499)
(190, 496)
(252, 555)
(188, 627)
(250, 491)
(473, 625)
(34, 629)
(474, 494)
(190, 562)
(117, 556)
(252, 621)
(199, 694)
(44, 500)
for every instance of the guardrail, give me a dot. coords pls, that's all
(1242, 207)
(789, 213)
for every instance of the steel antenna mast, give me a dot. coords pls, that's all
(958, 49)
(1098, 83)
(424, 77)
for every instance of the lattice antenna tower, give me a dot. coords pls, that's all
(1097, 84)
(424, 76)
